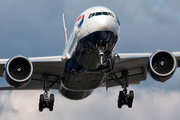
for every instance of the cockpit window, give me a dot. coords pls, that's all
(110, 14)
(105, 13)
(100, 13)
(118, 21)
(91, 15)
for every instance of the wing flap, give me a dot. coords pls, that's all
(33, 85)
(129, 61)
(134, 63)
(135, 76)
(37, 83)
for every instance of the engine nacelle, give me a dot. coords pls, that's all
(162, 65)
(18, 71)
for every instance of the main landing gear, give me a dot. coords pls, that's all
(124, 97)
(46, 101)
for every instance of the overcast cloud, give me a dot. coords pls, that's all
(34, 28)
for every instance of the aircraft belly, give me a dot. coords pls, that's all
(74, 95)
(84, 81)
(91, 61)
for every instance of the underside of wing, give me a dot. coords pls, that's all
(161, 66)
(134, 63)
(49, 70)
(44, 69)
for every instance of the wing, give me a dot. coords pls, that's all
(52, 67)
(135, 64)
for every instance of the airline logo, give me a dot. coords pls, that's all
(79, 21)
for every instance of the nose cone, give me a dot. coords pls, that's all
(98, 21)
(101, 23)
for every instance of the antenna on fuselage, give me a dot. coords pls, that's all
(65, 29)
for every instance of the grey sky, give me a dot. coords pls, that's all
(34, 28)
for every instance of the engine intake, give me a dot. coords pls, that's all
(162, 65)
(18, 71)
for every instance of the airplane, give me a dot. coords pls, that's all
(88, 62)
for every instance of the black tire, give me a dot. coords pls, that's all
(41, 99)
(121, 95)
(51, 106)
(52, 98)
(40, 107)
(130, 101)
(131, 94)
(120, 100)
(119, 103)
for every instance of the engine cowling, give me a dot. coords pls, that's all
(18, 71)
(162, 65)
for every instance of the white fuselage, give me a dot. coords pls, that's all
(89, 50)
(92, 23)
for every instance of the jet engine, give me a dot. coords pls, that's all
(162, 65)
(18, 71)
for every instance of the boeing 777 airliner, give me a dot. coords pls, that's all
(88, 62)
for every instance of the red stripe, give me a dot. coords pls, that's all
(78, 19)
(81, 17)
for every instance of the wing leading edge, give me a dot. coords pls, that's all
(53, 66)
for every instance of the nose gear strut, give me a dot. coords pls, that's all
(101, 58)
(101, 49)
